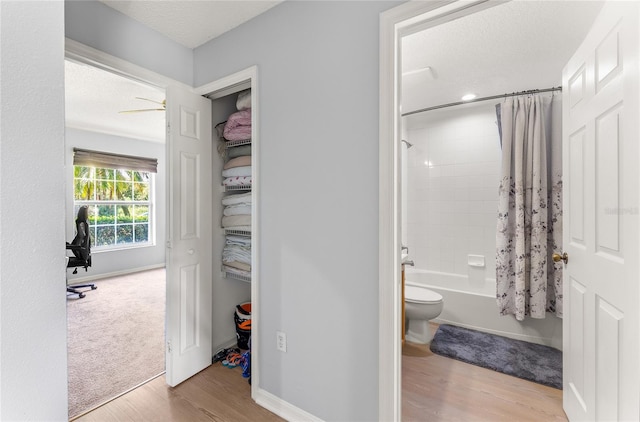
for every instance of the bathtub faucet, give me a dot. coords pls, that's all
(409, 263)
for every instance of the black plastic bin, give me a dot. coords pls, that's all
(242, 318)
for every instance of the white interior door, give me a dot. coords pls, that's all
(189, 245)
(601, 182)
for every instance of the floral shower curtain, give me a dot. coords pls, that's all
(529, 228)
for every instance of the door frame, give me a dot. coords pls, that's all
(405, 19)
(227, 83)
(81, 53)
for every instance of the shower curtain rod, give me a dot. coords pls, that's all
(493, 97)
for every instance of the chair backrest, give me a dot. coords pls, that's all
(83, 236)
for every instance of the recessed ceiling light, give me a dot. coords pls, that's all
(468, 97)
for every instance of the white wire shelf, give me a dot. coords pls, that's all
(245, 233)
(231, 144)
(236, 188)
(241, 277)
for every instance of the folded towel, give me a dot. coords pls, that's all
(238, 240)
(232, 253)
(239, 151)
(232, 270)
(237, 210)
(236, 220)
(245, 160)
(244, 100)
(238, 265)
(243, 198)
(237, 171)
(237, 181)
(238, 126)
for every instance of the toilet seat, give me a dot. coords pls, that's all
(421, 295)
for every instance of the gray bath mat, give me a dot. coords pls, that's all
(533, 362)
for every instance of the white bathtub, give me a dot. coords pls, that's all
(469, 301)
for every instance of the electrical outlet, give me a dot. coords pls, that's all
(281, 341)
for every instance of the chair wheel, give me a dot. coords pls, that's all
(81, 295)
(94, 287)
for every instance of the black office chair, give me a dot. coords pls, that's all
(81, 248)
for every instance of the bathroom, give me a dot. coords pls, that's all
(452, 158)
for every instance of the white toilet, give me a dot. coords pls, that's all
(420, 306)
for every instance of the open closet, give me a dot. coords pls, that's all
(234, 213)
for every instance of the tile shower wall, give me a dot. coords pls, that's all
(452, 188)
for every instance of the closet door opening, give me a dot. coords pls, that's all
(234, 210)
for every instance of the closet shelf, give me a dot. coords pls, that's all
(231, 144)
(229, 274)
(245, 233)
(235, 188)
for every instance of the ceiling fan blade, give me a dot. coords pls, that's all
(162, 103)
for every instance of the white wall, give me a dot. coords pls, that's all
(110, 262)
(33, 352)
(453, 179)
(318, 79)
(103, 28)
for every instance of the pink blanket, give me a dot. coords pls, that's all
(238, 127)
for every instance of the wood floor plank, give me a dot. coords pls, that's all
(439, 389)
(216, 394)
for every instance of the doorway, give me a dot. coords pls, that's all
(115, 333)
(397, 24)
(218, 330)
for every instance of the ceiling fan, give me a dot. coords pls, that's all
(163, 103)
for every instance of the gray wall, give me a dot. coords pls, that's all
(103, 28)
(33, 351)
(318, 90)
(109, 262)
(318, 76)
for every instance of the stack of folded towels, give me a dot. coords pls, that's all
(237, 171)
(236, 255)
(237, 212)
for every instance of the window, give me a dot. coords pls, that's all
(120, 204)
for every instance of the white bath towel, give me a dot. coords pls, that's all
(237, 171)
(244, 100)
(236, 220)
(241, 199)
(237, 210)
(236, 253)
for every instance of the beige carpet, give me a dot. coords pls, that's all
(115, 338)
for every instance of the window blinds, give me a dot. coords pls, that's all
(84, 157)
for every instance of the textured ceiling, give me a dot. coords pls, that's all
(515, 46)
(511, 47)
(93, 98)
(191, 23)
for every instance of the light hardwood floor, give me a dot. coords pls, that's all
(439, 389)
(216, 394)
(434, 389)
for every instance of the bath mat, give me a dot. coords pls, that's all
(533, 362)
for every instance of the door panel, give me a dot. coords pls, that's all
(189, 249)
(601, 236)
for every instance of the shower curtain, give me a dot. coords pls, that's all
(529, 228)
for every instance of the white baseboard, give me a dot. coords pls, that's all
(79, 280)
(233, 342)
(282, 408)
